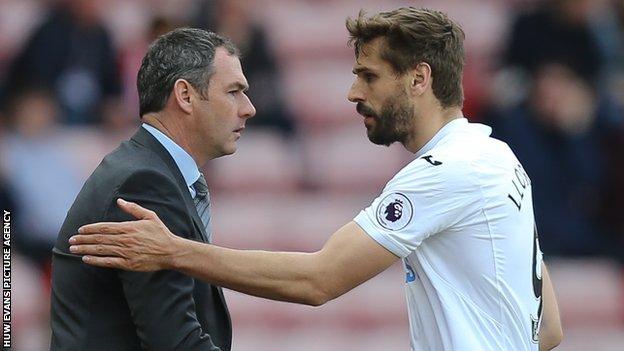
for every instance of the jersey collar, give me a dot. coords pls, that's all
(458, 124)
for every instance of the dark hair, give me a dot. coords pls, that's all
(413, 36)
(184, 53)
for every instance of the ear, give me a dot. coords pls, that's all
(182, 95)
(420, 78)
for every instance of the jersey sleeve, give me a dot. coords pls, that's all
(424, 199)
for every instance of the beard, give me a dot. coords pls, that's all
(393, 123)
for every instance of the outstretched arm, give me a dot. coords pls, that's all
(349, 258)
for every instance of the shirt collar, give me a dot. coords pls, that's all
(450, 127)
(183, 160)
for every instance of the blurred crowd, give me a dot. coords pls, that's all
(565, 121)
(547, 75)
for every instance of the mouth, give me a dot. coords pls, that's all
(238, 131)
(369, 118)
(365, 112)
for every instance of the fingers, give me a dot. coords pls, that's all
(131, 208)
(95, 239)
(103, 228)
(97, 249)
(107, 262)
(135, 210)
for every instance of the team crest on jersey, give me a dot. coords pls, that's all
(394, 212)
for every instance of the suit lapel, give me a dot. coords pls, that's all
(144, 138)
(147, 140)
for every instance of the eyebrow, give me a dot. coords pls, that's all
(359, 70)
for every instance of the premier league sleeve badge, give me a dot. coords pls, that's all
(394, 211)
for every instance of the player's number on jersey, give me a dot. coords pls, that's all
(537, 286)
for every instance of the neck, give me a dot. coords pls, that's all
(176, 133)
(427, 125)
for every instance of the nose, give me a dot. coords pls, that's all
(247, 110)
(355, 93)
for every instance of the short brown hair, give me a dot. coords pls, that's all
(414, 36)
(186, 53)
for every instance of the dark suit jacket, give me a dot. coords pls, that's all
(112, 310)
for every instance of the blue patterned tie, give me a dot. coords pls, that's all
(202, 204)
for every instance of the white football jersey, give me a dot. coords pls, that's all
(461, 218)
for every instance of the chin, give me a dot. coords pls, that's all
(372, 137)
(230, 149)
(380, 140)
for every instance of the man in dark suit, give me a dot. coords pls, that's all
(193, 107)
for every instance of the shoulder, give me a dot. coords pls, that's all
(146, 178)
(131, 162)
(456, 165)
(132, 169)
(152, 186)
(433, 172)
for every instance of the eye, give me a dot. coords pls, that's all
(369, 77)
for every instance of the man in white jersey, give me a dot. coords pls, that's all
(459, 216)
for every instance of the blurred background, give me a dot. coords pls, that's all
(547, 75)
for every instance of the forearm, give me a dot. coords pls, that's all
(284, 276)
(551, 332)
(349, 258)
